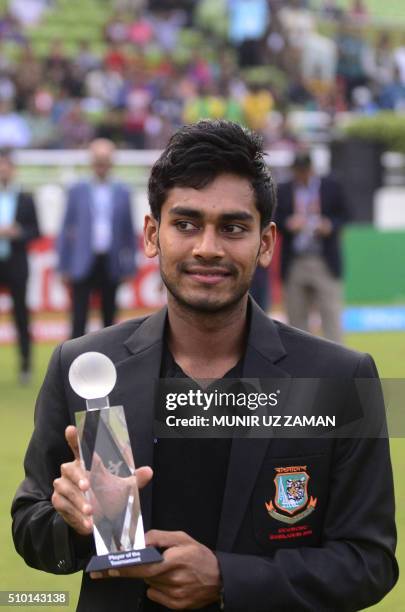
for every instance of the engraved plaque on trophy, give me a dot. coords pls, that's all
(106, 455)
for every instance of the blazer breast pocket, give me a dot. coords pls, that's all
(289, 501)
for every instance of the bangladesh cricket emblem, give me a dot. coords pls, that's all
(291, 495)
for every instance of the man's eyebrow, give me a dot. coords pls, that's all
(236, 215)
(186, 212)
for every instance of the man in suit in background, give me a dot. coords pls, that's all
(310, 213)
(208, 507)
(18, 226)
(96, 246)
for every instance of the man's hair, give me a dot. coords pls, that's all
(302, 161)
(198, 153)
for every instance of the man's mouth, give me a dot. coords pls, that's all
(209, 276)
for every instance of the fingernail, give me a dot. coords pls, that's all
(95, 575)
(113, 573)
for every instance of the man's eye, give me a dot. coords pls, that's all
(186, 226)
(233, 229)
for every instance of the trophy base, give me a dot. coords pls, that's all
(125, 558)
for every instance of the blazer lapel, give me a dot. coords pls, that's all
(86, 206)
(264, 349)
(116, 208)
(136, 392)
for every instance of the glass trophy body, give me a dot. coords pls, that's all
(106, 455)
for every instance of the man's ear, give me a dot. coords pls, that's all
(267, 244)
(151, 236)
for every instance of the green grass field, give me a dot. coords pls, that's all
(16, 418)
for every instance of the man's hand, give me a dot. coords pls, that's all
(69, 498)
(188, 578)
(295, 223)
(109, 493)
(324, 227)
(11, 231)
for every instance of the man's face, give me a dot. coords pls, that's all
(6, 171)
(102, 165)
(302, 175)
(209, 243)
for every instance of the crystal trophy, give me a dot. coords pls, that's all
(106, 455)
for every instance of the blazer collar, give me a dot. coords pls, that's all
(263, 337)
(264, 347)
(149, 333)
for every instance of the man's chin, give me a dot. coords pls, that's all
(207, 304)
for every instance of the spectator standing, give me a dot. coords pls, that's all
(85, 59)
(354, 57)
(75, 129)
(392, 96)
(383, 64)
(311, 212)
(44, 132)
(18, 226)
(96, 246)
(14, 129)
(399, 59)
(57, 65)
(28, 76)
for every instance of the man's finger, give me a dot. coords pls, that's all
(67, 489)
(164, 600)
(143, 476)
(172, 578)
(75, 473)
(80, 523)
(167, 539)
(72, 440)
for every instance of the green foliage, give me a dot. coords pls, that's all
(267, 76)
(386, 127)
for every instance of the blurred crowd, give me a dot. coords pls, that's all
(164, 64)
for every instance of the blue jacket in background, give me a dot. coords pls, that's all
(74, 244)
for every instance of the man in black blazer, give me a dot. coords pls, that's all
(18, 226)
(311, 212)
(212, 506)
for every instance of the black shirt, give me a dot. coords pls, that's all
(189, 479)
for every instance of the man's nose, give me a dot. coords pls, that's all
(208, 244)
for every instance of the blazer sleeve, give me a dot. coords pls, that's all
(127, 253)
(64, 240)
(40, 534)
(355, 567)
(334, 204)
(27, 220)
(284, 207)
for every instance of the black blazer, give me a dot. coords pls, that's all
(333, 207)
(344, 562)
(26, 218)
